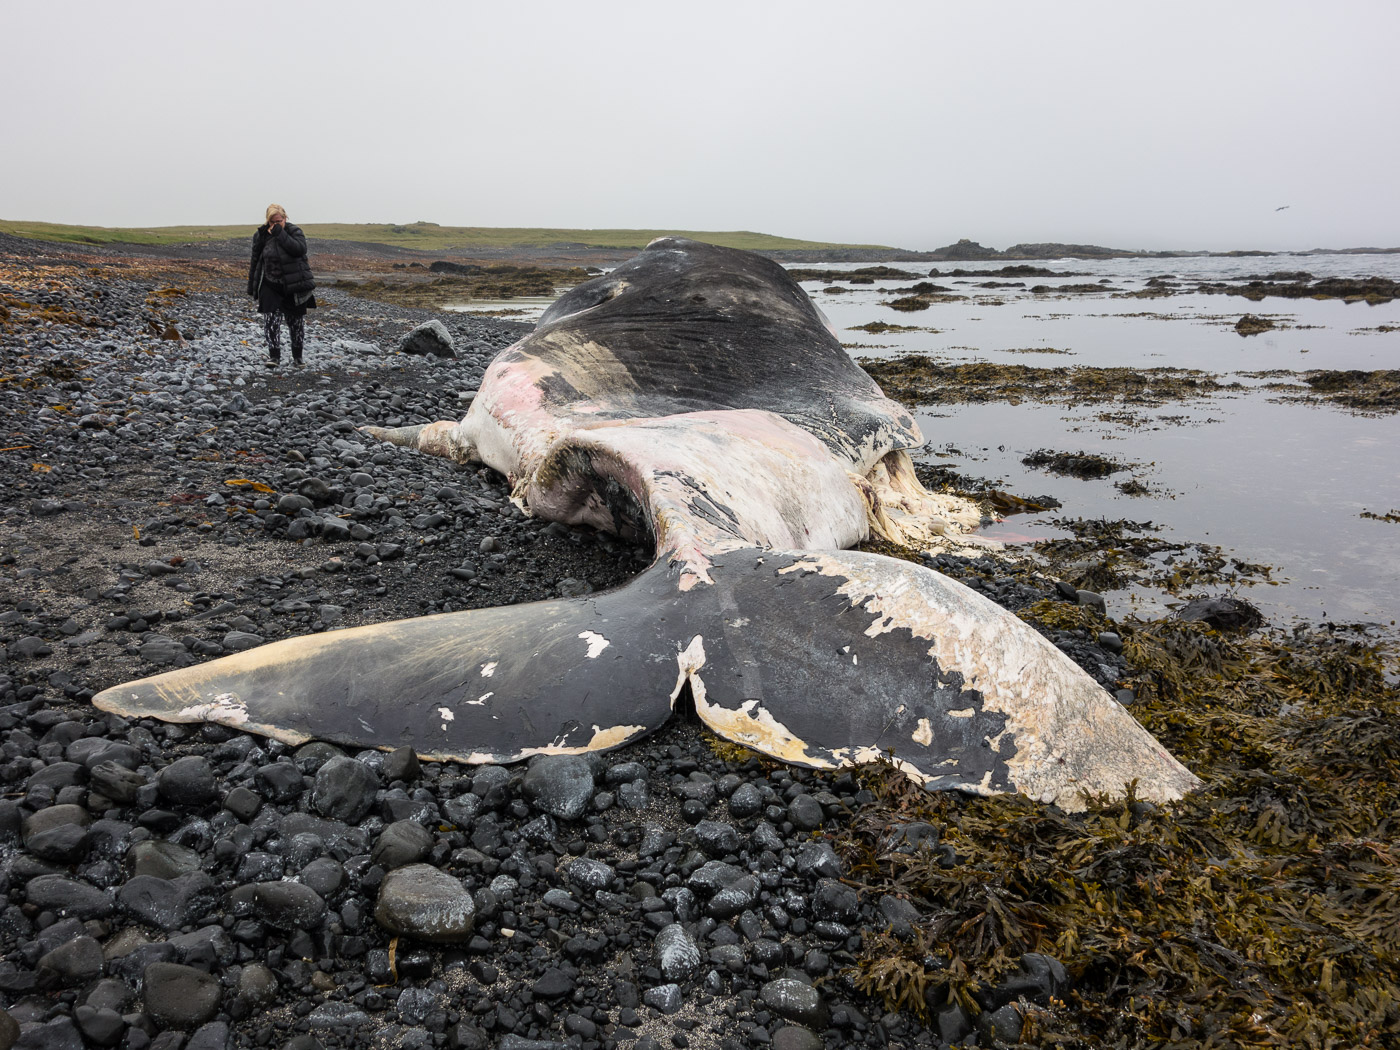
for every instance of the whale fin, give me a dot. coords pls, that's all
(487, 685)
(900, 662)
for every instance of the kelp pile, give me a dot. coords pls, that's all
(1264, 910)
(1104, 555)
(916, 379)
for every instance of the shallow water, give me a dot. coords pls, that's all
(1283, 484)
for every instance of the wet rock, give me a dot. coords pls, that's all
(423, 902)
(180, 996)
(344, 789)
(188, 782)
(285, 905)
(560, 785)
(65, 896)
(1223, 613)
(168, 903)
(795, 1001)
(402, 842)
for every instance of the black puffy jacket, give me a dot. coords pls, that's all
(280, 258)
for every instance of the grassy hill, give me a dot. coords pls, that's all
(423, 236)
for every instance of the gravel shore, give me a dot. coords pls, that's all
(167, 499)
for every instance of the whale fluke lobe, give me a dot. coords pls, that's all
(695, 395)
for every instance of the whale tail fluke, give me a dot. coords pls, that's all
(820, 658)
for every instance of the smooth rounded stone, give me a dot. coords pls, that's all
(180, 996)
(716, 838)
(431, 339)
(316, 489)
(92, 751)
(285, 905)
(589, 876)
(238, 641)
(805, 812)
(168, 903)
(65, 896)
(401, 843)
(344, 789)
(290, 503)
(188, 781)
(421, 901)
(559, 785)
(676, 954)
(279, 781)
(745, 802)
(213, 1035)
(256, 984)
(834, 901)
(900, 914)
(118, 783)
(1110, 640)
(795, 1037)
(58, 834)
(76, 962)
(664, 998)
(100, 1026)
(309, 758)
(325, 875)
(819, 859)
(624, 773)
(795, 1001)
(164, 860)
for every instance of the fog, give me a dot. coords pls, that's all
(1186, 125)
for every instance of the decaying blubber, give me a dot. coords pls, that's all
(695, 395)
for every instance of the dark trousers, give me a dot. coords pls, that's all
(272, 329)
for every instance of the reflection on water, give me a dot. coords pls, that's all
(1273, 483)
(517, 308)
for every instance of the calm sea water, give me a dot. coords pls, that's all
(1281, 484)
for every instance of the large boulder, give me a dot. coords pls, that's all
(430, 339)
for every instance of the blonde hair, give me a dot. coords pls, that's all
(274, 209)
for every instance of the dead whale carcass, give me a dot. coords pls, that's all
(695, 395)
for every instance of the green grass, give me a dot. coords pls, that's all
(425, 236)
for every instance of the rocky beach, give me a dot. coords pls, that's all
(168, 498)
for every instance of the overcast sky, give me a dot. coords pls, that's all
(1165, 125)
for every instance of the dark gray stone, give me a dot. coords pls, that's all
(795, 1001)
(423, 902)
(344, 789)
(180, 996)
(560, 785)
(402, 842)
(676, 954)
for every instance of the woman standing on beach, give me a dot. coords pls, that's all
(279, 278)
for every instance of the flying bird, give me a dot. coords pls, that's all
(1283, 207)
